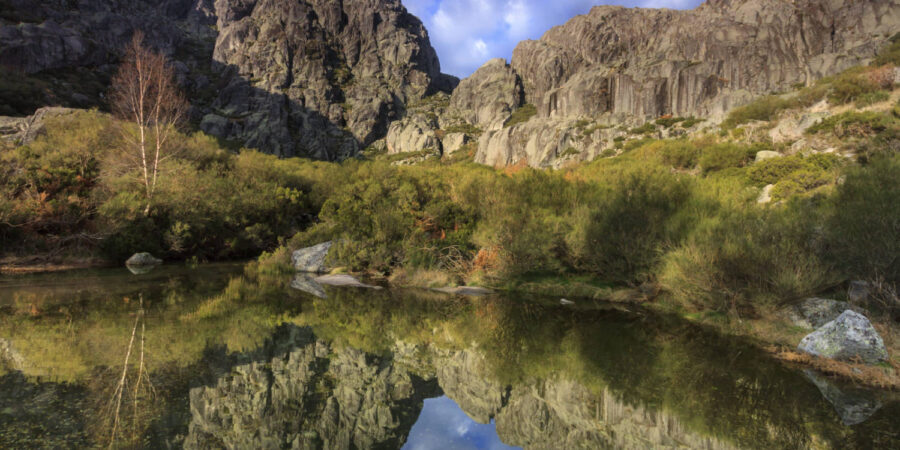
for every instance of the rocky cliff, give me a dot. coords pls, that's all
(326, 78)
(618, 66)
(317, 78)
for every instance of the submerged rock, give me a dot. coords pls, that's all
(814, 312)
(142, 260)
(846, 338)
(343, 281)
(311, 259)
(306, 283)
(854, 406)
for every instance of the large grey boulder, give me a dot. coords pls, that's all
(311, 259)
(413, 134)
(854, 406)
(814, 312)
(846, 338)
(142, 260)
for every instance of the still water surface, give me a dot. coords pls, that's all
(220, 356)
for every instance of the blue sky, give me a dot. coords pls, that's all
(443, 425)
(467, 33)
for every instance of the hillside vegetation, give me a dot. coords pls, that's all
(680, 213)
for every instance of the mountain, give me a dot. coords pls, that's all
(316, 78)
(325, 79)
(616, 66)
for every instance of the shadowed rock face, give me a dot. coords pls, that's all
(309, 72)
(316, 78)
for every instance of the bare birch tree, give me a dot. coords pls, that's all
(144, 94)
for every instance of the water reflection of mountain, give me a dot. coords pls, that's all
(252, 363)
(308, 394)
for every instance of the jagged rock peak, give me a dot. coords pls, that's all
(318, 78)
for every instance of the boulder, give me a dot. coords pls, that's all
(413, 134)
(343, 280)
(311, 259)
(854, 406)
(453, 142)
(766, 154)
(765, 196)
(813, 312)
(846, 338)
(142, 259)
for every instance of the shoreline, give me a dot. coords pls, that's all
(32, 265)
(766, 333)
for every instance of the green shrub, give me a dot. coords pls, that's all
(854, 124)
(691, 121)
(860, 84)
(619, 238)
(865, 227)
(725, 155)
(667, 122)
(748, 261)
(871, 98)
(646, 128)
(680, 154)
(521, 115)
(464, 127)
(890, 54)
(764, 109)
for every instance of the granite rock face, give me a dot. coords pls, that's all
(618, 65)
(488, 97)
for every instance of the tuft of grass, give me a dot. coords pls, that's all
(521, 115)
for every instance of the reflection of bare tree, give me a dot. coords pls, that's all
(142, 379)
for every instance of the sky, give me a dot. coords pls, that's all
(467, 33)
(442, 424)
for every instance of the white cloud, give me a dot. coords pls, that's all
(466, 33)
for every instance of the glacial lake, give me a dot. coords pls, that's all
(221, 356)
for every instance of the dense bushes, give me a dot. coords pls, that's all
(72, 191)
(865, 223)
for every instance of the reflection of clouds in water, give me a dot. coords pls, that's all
(443, 425)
